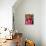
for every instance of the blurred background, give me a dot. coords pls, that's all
(19, 8)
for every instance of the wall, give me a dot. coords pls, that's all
(6, 13)
(43, 22)
(29, 31)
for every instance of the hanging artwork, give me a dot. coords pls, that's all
(29, 19)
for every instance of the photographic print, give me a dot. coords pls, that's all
(29, 19)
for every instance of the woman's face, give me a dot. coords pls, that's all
(27, 17)
(30, 17)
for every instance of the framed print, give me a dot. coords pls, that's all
(29, 19)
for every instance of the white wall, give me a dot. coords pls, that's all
(43, 22)
(29, 31)
(6, 13)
